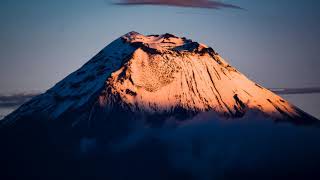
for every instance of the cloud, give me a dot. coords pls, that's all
(181, 3)
(208, 147)
(203, 147)
(296, 90)
(11, 101)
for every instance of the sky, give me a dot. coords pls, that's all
(273, 42)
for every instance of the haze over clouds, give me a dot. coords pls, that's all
(181, 3)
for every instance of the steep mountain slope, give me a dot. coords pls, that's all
(156, 75)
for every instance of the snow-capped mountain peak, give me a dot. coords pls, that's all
(157, 75)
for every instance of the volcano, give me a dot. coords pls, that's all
(157, 75)
(158, 107)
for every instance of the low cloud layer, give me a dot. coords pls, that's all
(181, 3)
(203, 147)
(206, 147)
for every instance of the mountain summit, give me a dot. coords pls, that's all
(152, 76)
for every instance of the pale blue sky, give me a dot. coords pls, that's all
(274, 42)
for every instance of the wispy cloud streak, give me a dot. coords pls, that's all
(181, 3)
(11, 101)
(296, 90)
